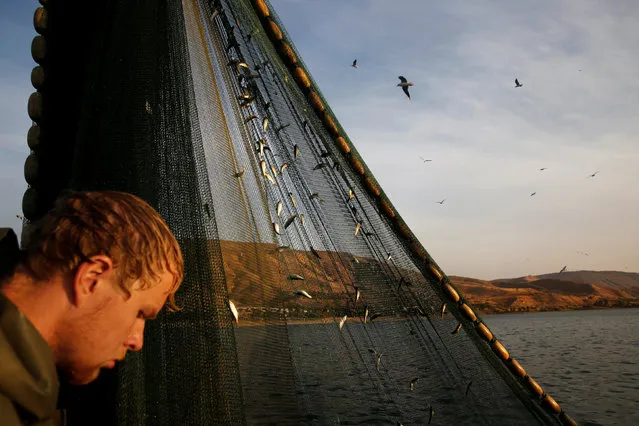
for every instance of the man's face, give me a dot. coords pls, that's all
(107, 325)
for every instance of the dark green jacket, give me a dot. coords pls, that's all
(28, 378)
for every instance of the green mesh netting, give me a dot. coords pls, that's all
(154, 98)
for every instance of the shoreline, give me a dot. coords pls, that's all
(286, 321)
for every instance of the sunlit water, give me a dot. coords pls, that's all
(587, 360)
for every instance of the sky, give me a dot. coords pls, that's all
(576, 114)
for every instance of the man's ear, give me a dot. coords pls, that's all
(89, 277)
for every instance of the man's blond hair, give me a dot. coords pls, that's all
(116, 224)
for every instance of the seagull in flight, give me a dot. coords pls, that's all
(517, 83)
(594, 174)
(441, 202)
(563, 269)
(543, 168)
(423, 159)
(532, 194)
(354, 65)
(405, 84)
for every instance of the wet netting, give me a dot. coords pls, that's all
(307, 299)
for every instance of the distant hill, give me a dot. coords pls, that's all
(552, 292)
(258, 275)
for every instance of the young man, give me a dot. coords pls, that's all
(76, 298)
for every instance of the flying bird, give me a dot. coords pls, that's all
(423, 159)
(532, 194)
(517, 83)
(563, 269)
(440, 202)
(543, 168)
(405, 84)
(594, 174)
(354, 65)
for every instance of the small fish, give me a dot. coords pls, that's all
(302, 219)
(290, 194)
(283, 167)
(356, 260)
(263, 167)
(357, 228)
(295, 277)
(278, 208)
(443, 309)
(456, 330)
(430, 416)
(148, 108)
(270, 178)
(296, 151)
(249, 118)
(289, 221)
(282, 127)
(315, 253)
(320, 166)
(389, 257)
(366, 315)
(274, 169)
(247, 102)
(379, 362)
(240, 174)
(236, 316)
(412, 383)
(276, 228)
(241, 65)
(261, 144)
(468, 388)
(303, 293)
(357, 294)
(351, 194)
(313, 195)
(341, 323)
(265, 124)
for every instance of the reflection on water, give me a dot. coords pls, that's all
(587, 360)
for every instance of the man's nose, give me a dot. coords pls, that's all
(136, 339)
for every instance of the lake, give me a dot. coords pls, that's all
(587, 360)
(315, 374)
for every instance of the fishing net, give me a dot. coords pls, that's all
(207, 111)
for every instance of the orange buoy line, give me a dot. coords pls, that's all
(300, 75)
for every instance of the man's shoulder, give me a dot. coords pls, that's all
(28, 380)
(8, 412)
